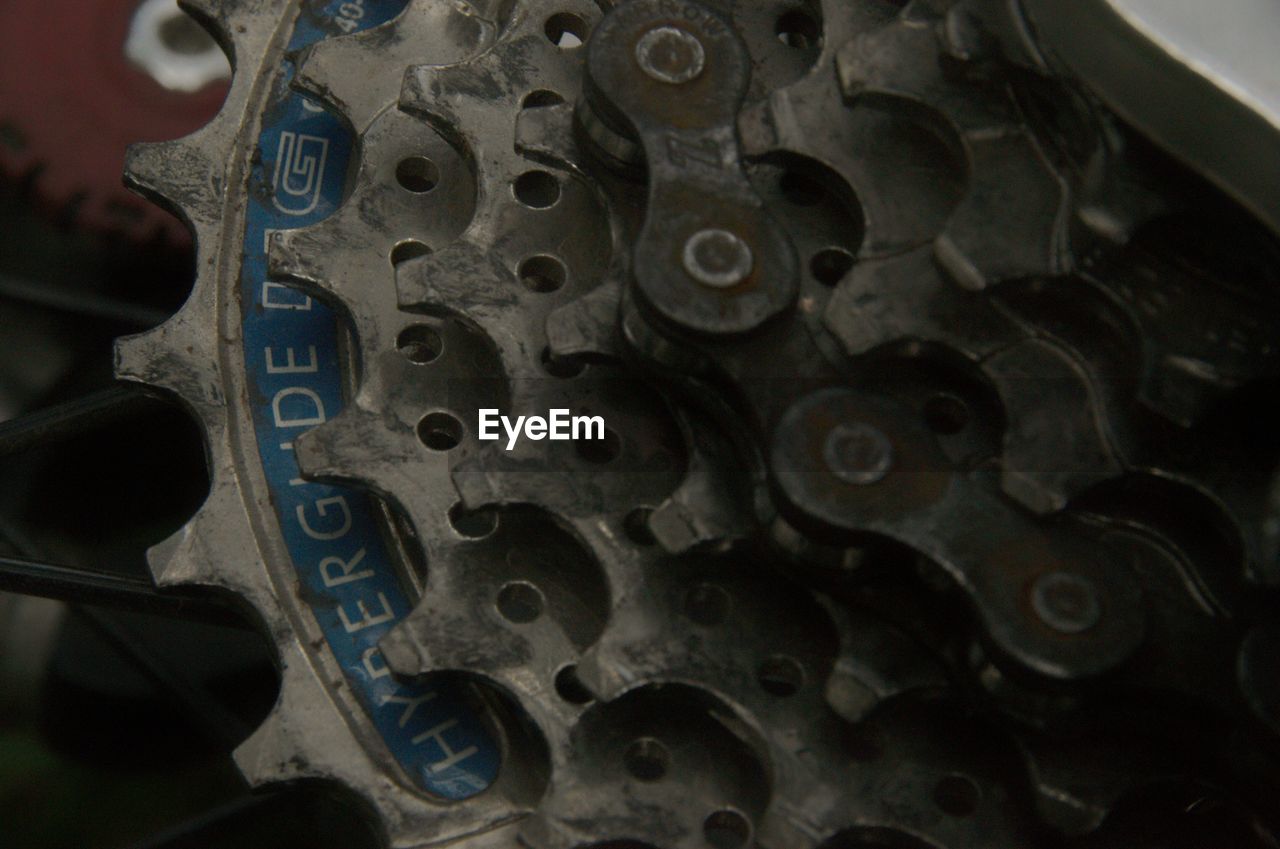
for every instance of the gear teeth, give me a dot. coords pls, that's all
(588, 325)
(192, 554)
(292, 254)
(179, 175)
(1000, 150)
(187, 176)
(882, 301)
(306, 736)
(1038, 383)
(522, 661)
(710, 506)
(360, 245)
(345, 448)
(218, 546)
(178, 355)
(281, 748)
(546, 134)
(181, 355)
(426, 31)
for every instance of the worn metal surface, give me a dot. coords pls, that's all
(927, 503)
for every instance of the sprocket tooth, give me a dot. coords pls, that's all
(188, 556)
(1049, 401)
(711, 506)
(876, 662)
(522, 60)
(522, 659)
(1027, 246)
(546, 134)
(294, 255)
(1010, 177)
(336, 70)
(351, 446)
(905, 297)
(305, 737)
(689, 519)
(447, 274)
(287, 746)
(588, 325)
(188, 176)
(220, 533)
(265, 756)
(178, 355)
(180, 175)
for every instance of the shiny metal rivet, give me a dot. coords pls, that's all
(670, 55)
(858, 453)
(717, 258)
(1066, 602)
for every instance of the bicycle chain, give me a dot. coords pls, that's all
(912, 493)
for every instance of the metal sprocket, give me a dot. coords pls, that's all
(870, 535)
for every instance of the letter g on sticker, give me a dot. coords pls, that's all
(332, 527)
(299, 174)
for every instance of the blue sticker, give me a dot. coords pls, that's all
(291, 352)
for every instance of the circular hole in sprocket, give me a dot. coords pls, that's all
(566, 30)
(798, 30)
(440, 431)
(726, 829)
(537, 189)
(956, 795)
(420, 344)
(646, 759)
(520, 602)
(417, 174)
(780, 676)
(542, 273)
(570, 688)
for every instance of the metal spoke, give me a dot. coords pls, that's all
(217, 824)
(79, 302)
(72, 418)
(186, 692)
(106, 589)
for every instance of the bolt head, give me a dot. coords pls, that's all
(670, 55)
(717, 258)
(858, 453)
(1066, 602)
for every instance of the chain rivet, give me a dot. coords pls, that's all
(1066, 602)
(670, 55)
(717, 258)
(858, 453)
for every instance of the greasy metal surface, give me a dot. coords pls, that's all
(926, 504)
